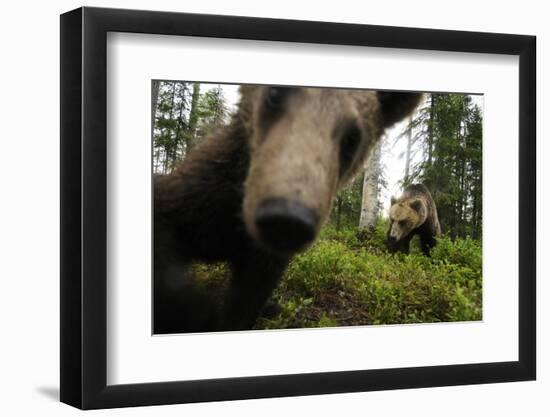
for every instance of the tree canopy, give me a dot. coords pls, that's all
(182, 116)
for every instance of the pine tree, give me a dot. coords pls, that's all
(181, 117)
(448, 130)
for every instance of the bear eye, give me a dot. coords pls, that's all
(275, 97)
(402, 223)
(348, 146)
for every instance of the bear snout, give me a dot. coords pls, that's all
(285, 226)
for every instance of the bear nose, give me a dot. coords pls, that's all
(392, 238)
(285, 226)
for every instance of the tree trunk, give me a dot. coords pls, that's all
(167, 148)
(475, 233)
(154, 103)
(338, 212)
(193, 116)
(462, 160)
(431, 129)
(155, 86)
(408, 155)
(369, 198)
(180, 125)
(463, 200)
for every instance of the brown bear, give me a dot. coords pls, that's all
(414, 213)
(257, 192)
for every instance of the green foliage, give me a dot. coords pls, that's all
(375, 240)
(466, 252)
(348, 277)
(212, 108)
(344, 280)
(349, 236)
(347, 205)
(448, 132)
(183, 116)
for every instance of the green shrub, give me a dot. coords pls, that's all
(465, 252)
(348, 236)
(384, 288)
(349, 278)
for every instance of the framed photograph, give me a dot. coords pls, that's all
(258, 208)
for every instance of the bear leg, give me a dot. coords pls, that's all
(252, 283)
(179, 304)
(426, 244)
(404, 244)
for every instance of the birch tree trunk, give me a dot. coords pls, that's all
(408, 155)
(154, 103)
(369, 198)
(167, 146)
(431, 129)
(154, 97)
(193, 116)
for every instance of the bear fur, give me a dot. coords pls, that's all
(413, 213)
(256, 192)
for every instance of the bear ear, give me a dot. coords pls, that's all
(416, 205)
(396, 106)
(392, 200)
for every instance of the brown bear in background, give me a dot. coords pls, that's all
(255, 193)
(414, 213)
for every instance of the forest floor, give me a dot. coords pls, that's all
(346, 279)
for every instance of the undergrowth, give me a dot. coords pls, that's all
(349, 278)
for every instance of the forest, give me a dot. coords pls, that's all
(348, 277)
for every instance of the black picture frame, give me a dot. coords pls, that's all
(84, 207)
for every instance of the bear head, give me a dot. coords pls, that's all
(405, 216)
(306, 144)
